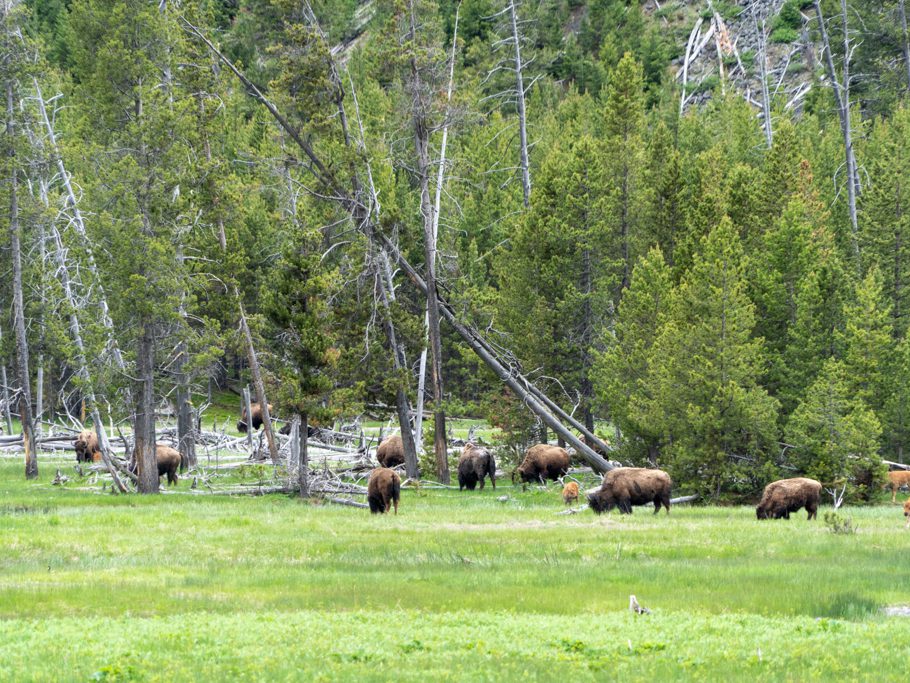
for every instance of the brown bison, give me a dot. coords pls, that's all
(570, 492)
(168, 462)
(384, 490)
(475, 464)
(542, 462)
(907, 512)
(257, 418)
(624, 487)
(896, 479)
(789, 495)
(87, 449)
(390, 451)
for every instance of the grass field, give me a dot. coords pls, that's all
(456, 587)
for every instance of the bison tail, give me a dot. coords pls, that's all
(396, 491)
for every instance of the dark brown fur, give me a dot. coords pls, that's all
(896, 479)
(543, 462)
(257, 418)
(624, 487)
(384, 490)
(475, 464)
(390, 451)
(87, 449)
(168, 462)
(782, 497)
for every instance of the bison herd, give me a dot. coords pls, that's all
(621, 488)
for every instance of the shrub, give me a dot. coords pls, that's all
(784, 35)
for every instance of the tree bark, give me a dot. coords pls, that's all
(421, 145)
(258, 385)
(303, 466)
(186, 433)
(842, 98)
(144, 426)
(763, 74)
(520, 102)
(25, 395)
(906, 39)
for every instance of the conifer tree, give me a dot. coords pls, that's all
(720, 421)
(835, 435)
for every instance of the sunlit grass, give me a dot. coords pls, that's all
(253, 564)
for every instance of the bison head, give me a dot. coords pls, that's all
(761, 512)
(241, 426)
(601, 501)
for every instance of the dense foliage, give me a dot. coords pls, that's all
(701, 297)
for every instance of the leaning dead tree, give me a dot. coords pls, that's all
(15, 233)
(762, 56)
(508, 372)
(842, 100)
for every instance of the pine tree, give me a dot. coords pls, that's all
(622, 371)
(835, 435)
(720, 421)
(663, 192)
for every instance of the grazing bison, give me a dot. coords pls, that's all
(896, 479)
(168, 462)
(384, 490)
(624, 487)
(87, 449)
(542, 462)
(474, 465)
(907, 512)
(257, 418)
(789, 495)
(570, 492)
(390, 451)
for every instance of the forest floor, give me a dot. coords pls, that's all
(458, 586)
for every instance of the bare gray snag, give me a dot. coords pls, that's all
(420, 121)
(258, 385)
(906, 39)
(842, 98)
(763, 74)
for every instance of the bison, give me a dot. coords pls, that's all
(782, 497)
(474, 465)
(896, 479)
(168, 460)
(87, 449)
(257, 418)
(542, 462)
(624, 487)
(570, 492)
(390, 451)
(384, 490)
(907, 512)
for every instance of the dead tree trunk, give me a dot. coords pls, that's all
(84, 373)
(258, 385)
(520, 103)
(186, 436)
(421, 146)
(303, 466)
(15, 233)
(79, 225)
(842, 98)
(144, 425)
(906, 39)
(246, 407)
(763, 74)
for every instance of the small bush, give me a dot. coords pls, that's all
(784, 35)
(838, 524)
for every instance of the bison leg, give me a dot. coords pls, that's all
(656, 505)
(395, 501)
(893, 494)
(812, 509)
(482, 482)
(493, 480)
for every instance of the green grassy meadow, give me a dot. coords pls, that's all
(458, 586)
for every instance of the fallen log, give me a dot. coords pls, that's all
(345, 501)
(896, 465)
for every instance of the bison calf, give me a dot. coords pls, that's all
(570, 492)
(87, 449)
(257, 418)
(896, 479)
(907, 512)
(782, 497)
(384, 490)
(543, 462)
(624, 487)
(475, 464)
